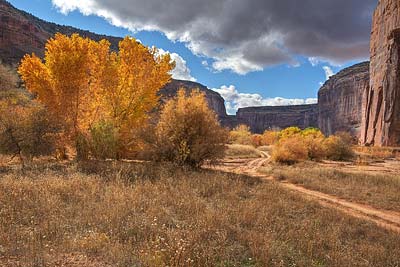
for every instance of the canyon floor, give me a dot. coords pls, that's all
(242, 212)
(325, 193)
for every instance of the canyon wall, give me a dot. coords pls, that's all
(22, 33)
(381, 105)
(215, 100)
(340, 100)
(260, 119)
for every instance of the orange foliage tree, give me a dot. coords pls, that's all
(81, 82)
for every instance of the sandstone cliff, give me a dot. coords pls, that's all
(215, 100)
(22, 33)
(381, 105)
(340, 100)
(260, 119)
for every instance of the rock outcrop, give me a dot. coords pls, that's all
(22, 33)
(340, 100)
(381, 106)
(215, 100)
(260, 119)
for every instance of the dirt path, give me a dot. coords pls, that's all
(252, 166)
(386, 219)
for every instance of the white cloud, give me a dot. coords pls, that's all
(181, 71)
(328, 72)
(235, 100)
(314, 61)
(245, 36)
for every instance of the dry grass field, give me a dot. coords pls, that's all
(380, 190)
(242, 151)
(139, 214)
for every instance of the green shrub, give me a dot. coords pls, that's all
(104, 142)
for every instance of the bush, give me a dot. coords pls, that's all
(314, 140)
(289, 132)
(241, 135)
(26, 131)
(290, 150)
(270, 137)
(104, 141)
(339, 147)
(188, 132)
(297, 145)
(257, 140)
(8, 78)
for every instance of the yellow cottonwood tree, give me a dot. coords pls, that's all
(82, 82)
(62, 82)
(131, 81)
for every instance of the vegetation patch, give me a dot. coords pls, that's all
(377, 190)
(126, 214)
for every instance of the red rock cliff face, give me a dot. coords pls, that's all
(340, 100)
(22, 33)
(260, 119)
(215, 100)
(381, 105)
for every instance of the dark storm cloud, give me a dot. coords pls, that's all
(247, 35)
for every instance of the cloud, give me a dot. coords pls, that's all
(244, 36)
(328, 72)
(314, 61)
(181, 71)
(235, 100)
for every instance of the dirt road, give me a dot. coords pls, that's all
(386, 219)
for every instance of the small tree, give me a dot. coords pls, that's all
(26, 131)
(188, 132)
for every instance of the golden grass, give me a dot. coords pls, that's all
(380, 191)
(115, 214)
(242, 151)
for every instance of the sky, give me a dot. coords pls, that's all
(253, 52)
